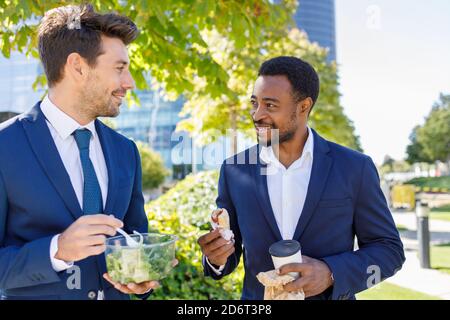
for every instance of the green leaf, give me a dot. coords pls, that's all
(6, 45)
(208, 51)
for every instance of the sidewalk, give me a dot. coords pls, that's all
(408, 219)
(439, 230)
(412, 276)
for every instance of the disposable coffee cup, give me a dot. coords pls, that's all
(284, 252)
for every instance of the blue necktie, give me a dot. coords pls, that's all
(92, 194)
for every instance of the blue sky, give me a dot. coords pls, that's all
(394, 60)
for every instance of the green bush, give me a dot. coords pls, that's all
(432, 184)
(444, 208)
(153, 170)
(184, 211)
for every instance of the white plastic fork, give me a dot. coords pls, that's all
(129, 240)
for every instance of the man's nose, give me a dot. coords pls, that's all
(128, 82)
(258, 113)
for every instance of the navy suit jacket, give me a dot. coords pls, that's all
(37, 201)
(343, 200)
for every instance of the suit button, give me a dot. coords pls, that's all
(92, 295)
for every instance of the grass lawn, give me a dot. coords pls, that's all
(388, 291)
(440, 257)
(441, 213)
(444, 216)
(401, 227)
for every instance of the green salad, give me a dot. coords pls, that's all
(142, 263)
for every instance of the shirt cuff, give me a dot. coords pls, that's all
(58, 265)
(216, 271)
(147, 291)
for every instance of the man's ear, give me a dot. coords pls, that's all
(305, 105)
(75, 67)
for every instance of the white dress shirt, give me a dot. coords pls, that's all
(61, 127)
(287, 188)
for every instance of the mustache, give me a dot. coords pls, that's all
(119, 92)
(260, 123)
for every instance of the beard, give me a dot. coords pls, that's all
(98, 101)
(283, 136)
(277, 135)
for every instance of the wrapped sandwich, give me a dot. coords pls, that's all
(220, 219)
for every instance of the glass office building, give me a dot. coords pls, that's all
(17, 75)
(317, 19)
(153, 122)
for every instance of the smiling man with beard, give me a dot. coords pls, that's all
(305, 188)
(66, 180)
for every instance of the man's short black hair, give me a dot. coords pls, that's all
(302, 76)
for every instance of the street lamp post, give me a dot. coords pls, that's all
(423, 234)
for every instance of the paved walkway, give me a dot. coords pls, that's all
(412, 276)
(408, 219)
(439, 230)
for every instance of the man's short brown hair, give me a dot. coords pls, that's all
(69, 29)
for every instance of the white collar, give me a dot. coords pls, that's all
(64, 125)
(268, 156)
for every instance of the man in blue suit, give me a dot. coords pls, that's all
(66, 180)
(296, 185)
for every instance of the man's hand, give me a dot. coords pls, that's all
(315, 276)
(216, 248)
(86, 237)
(136, 288)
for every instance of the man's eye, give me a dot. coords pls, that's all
(120, 69)
(269, 105)
(254, 104)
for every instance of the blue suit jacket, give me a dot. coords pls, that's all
(344, 199)
(37, 201)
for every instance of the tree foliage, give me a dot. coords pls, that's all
(153, 170)
(392, 165)
(207, 50)
(431, 141)
(170, 46)
(209, 117)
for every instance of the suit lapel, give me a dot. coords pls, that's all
(44, 148)
(262, 193)
(111, 160)
(322, 162)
